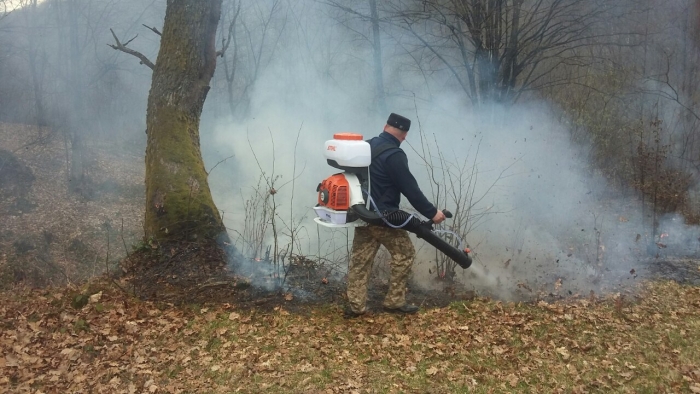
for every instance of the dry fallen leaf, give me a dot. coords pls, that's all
(95, 297)
(563, 352)
(512, 380)
(431, 371)
(11, 361)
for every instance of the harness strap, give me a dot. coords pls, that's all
(381, 149)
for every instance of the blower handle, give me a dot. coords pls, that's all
(429, 223)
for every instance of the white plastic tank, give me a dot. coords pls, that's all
(348, 150)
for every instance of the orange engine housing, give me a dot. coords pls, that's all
(334, 193)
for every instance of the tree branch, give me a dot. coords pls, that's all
(123, 48)
(231, 33)
(153, 29)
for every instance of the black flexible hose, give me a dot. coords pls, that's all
(422, 230)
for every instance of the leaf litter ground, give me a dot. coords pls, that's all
(642, 342)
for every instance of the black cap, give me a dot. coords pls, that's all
(399, 122)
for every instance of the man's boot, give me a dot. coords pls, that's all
(406, 309)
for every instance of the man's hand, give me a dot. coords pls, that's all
(439, 217)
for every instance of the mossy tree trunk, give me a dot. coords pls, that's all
(179, 205)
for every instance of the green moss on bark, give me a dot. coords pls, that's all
(179, 202)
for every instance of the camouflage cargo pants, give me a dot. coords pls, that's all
(364, 248)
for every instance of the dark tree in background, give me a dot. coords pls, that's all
(348, 11)
(497, 49)
(179, 204)
(250, 37)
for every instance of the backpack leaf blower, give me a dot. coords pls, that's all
(341, 197)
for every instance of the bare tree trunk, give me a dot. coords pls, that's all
(696, 13)
(230, 70)
(377, 52)
(78, 169)
(36, 57)
(178, 200)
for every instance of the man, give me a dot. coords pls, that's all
(389, 177)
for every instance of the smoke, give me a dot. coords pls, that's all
(534, 198)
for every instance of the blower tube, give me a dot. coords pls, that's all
(422, 230)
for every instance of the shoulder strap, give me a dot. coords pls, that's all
(381, 149)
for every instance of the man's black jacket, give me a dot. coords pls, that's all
(390, 177)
